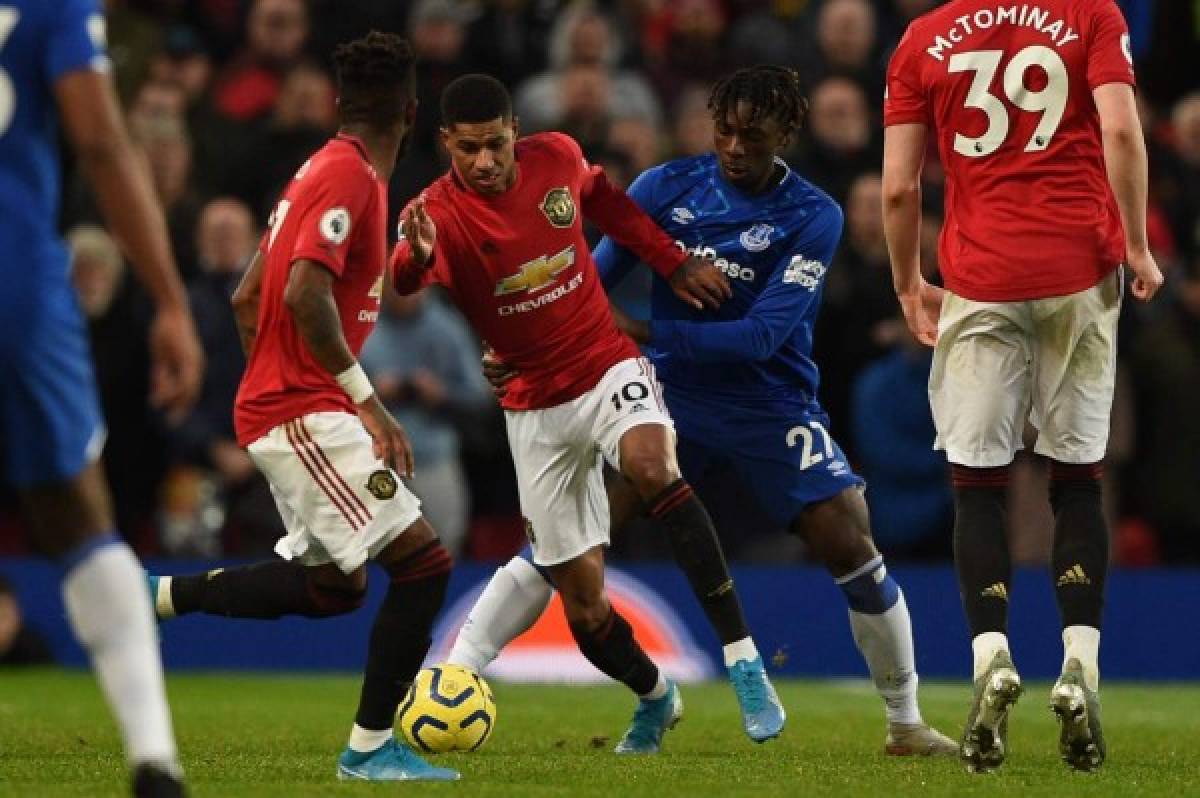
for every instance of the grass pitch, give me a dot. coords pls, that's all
(279, 736)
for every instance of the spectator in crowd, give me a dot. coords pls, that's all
(692, 132)
(208, 465)
(585, 37)
(912, 508)
(276, 32)
(118, 318)
(846, 44)
(301, 120)
(1165, 362)
(686, 45)
(509, 38)
(583, 107)
(19, 644)
(425, 367)
(165, 142)
(1185, 176)
(840, 143)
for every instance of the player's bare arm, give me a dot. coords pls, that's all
(309, 298)
(245, 303)
(1125, 162)
(92, 120)
(903, 157)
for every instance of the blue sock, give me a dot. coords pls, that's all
(870, 589)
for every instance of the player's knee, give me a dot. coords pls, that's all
(651, 473)
(430, 561)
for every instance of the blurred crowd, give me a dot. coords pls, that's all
(226, 98)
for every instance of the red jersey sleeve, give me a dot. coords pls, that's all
(619, 217)
(904, 101)
(340, 198)
(1109, 59)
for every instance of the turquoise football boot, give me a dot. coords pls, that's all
(392, 761)
(762, 714)
(651, 720)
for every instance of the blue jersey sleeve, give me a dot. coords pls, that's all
(792, 286)
(75, 39)
(613, 261)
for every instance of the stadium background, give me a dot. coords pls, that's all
(226, 98)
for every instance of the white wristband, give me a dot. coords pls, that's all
(355, 383)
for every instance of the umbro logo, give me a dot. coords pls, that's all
(997, 590)
(682, 216)
(1073, 576)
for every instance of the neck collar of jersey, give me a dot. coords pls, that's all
(350, 138)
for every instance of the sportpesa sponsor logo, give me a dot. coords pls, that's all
(731, 269)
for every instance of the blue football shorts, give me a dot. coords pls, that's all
(782, 449)
(50, 420)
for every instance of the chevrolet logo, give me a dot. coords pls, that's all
(537, 273)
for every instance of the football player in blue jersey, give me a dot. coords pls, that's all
(740, 382)
(52, 57)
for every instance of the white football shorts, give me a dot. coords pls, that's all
(1052, 360)
(339, 503)
(559, 454)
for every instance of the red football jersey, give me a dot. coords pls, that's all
(519, 268)
(1006, 88)
(333, 212)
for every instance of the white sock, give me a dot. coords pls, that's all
(163, 606)
(110, 612)
(513, 600)
(886, 643)
(739, 650)
(1083, 643)
(365, 741)
(660, 688)
(983, 648)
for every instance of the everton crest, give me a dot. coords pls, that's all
(757, 238)
(559, 207)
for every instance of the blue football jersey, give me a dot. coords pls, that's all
(40, 41)
(775, 248)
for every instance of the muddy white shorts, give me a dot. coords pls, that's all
(339, 503)
(559, 454)
(1052, 360)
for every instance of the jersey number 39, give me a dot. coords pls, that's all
(1051, 100)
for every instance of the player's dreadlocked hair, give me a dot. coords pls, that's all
(770, 91)
(376, 79)
(472, 99)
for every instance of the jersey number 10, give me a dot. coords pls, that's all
(1050, 100)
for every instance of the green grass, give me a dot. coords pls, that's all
(279, 736)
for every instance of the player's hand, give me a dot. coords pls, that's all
(1147, 278)
(176, 363)
(637, 329)
(391, 443)
(922, 308)
(497, 372)
(417, 226)
(700, 283)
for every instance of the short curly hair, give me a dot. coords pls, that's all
(770, 91)
(376, 79)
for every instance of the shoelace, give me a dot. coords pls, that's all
(751, 689)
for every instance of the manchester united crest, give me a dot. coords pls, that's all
(382, 484)
(559, 207)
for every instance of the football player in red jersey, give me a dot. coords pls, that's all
(1032, 108)
(502, 231)
(311, 421)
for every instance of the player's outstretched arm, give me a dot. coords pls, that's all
(93, 124)
(903, 157)
(1125, 161)
(245, 303)
(309, 297)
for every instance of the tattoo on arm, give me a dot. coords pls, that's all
(309, 297)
